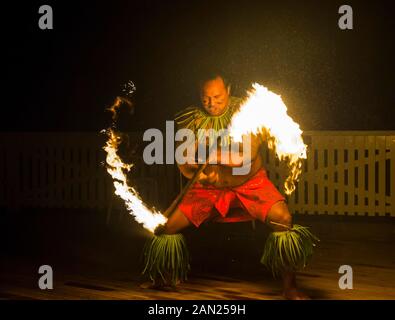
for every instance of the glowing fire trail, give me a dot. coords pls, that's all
(264, 112)
(118, 169)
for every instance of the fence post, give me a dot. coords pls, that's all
(12, 177)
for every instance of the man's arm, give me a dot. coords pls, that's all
(188, 170)
(247, 153)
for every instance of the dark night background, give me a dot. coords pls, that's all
(62, 79)
(57, 205)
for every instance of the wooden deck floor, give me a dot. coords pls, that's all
(319, 280)
(91, 263)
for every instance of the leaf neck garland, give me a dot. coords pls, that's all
(198, 120)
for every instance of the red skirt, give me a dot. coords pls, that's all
(249, 201)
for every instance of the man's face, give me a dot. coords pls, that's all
(215, 96)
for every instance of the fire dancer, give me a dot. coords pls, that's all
(220, 196)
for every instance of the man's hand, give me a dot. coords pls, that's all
(226, 158)
(210, 178)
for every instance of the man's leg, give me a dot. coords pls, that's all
(176, 222)
(279, 220)
(166, 253)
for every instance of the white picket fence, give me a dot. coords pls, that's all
(67, 170)
(346, 173)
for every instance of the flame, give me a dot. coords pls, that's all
(265, 112)
(117, 169)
